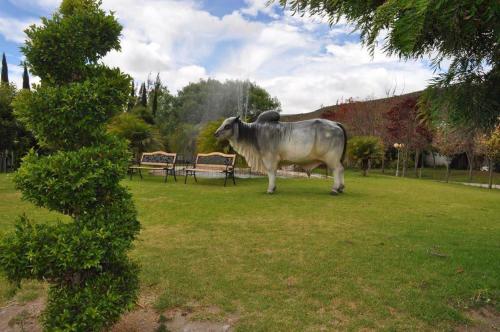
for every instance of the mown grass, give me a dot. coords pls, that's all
(436, 174)
(389, 254)
(439, 174)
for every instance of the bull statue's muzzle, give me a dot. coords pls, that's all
(216, 134)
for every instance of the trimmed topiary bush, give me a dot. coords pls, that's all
(92, 281)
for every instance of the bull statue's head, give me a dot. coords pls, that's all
(228, 128)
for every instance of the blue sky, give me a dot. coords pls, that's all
(301, 60)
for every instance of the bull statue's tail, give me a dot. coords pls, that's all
(345, 142)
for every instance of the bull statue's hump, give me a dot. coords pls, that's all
(268, 116)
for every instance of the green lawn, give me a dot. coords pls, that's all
(437, 174)
(389, 254)
(456, 175)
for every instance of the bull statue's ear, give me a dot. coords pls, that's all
(237, 118)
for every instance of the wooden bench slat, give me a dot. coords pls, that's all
(143, 167)
(205, 170)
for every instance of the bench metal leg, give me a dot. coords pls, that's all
(225, 178)
(175, 177)
(140, 173)
(195, 179)
(234, 180)
(131, 172)
(185, 177)
(166, 175)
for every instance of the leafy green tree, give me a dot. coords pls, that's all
(465, 31)
(207, 142)
(182, 139)
(260, 101)
(156, 92)
(363, 149)
(448, 141)
(489, 146)
(8, 124)
(143, 113)
(167, 119)
(141, 135)
(91, 279)
(209, 100)
(26, 78)
(15, 139)
(5, 70)
(132, 99)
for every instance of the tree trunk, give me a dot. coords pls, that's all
(421, 165)
(490, 170)
(364, 166)
(447, 172)
(383, 163)
(433, 160)
(417, 154)
(405, 159)
(3, 162)
(470, 161)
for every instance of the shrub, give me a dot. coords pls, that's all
(363, 149)
(140, 135)
(92, 281)
(207, 142)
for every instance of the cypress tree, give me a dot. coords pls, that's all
(132, 98)
(26, 78)
(144, 97)
(5, 70)
(156, 92)
(141, 89)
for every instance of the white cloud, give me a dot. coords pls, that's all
(184, 75)
(13, 29)
(324, 81)
(254, 7)
(46, 5)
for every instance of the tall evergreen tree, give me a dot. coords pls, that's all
(156, 92)
(5, 70)
(144, 95)
(26, 78)
(132, 98)
(141, 89)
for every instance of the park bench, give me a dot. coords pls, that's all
(156, 161)
(214, 162)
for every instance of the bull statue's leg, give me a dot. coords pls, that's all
(271, 188)
(271, 166)
(338, 177)
(341, 177)
(338, 174)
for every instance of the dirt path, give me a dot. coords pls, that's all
(15, 317)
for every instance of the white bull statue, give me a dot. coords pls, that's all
(267, 141)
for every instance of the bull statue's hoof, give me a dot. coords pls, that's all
(341, 189)
(271, 191)
(334, 192)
